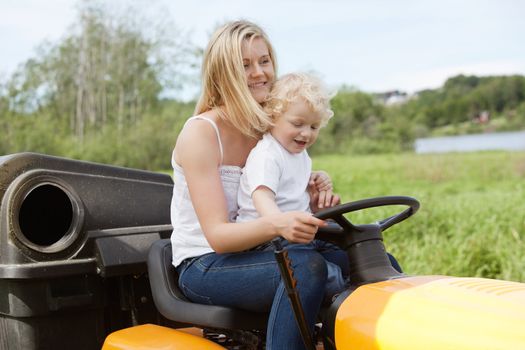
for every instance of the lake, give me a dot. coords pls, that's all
(509, 141)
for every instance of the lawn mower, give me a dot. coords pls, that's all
(381, 309)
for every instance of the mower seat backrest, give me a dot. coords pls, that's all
(173, 305)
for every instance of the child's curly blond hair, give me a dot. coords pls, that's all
(288, 88)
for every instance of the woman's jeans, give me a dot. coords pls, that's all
(251, 281)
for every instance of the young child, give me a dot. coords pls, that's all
(277, 173)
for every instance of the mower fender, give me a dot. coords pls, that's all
(153, 337)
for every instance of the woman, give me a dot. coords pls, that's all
(213, 255)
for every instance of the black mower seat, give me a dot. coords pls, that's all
(173, 305)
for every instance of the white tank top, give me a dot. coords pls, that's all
(187, 239)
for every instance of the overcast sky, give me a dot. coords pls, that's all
(374, 45)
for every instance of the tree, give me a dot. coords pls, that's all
(110, 70)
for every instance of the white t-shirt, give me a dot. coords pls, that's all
(286, 174)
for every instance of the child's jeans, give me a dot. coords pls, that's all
(336, 263)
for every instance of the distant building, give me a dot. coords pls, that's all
(394, 97)
(482, 117)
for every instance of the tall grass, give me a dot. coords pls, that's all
(472, 216)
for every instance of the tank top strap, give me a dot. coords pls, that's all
(215, 127)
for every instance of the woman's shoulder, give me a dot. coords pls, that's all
(200, 126)
(197, 137)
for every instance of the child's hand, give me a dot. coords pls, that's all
(328, 199)
(320, 190)
(297, 226)
(323, 199)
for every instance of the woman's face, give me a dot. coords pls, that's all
(258, 67)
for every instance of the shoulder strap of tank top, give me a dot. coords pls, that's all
(216, 132)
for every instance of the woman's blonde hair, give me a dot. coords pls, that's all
(224, 81)
(288, 88)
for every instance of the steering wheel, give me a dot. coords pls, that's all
(336, 214)
(363, 244)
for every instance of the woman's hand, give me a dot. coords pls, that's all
(320, 180)
(320, 190)
(297, 226)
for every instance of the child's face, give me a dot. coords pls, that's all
(297, 128)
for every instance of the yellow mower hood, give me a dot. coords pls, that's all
(433, 312)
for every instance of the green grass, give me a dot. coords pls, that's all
(472, 216)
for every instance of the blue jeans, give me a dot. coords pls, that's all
(336, 263)
(251, 281)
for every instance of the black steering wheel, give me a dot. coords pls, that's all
(345, 226)
(363, 244)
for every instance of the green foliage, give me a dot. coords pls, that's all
(31, 133)
(356, 124)
(462, 99)
(145, 145)
(95, 94)
(471, 221)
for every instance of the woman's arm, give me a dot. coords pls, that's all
(197, 152)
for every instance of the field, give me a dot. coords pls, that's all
(472, 216)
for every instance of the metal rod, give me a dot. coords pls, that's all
(290, 283)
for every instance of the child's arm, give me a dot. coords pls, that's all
(264, 201)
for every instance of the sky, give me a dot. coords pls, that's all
(372, 45)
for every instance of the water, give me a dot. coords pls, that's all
(508, 141)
